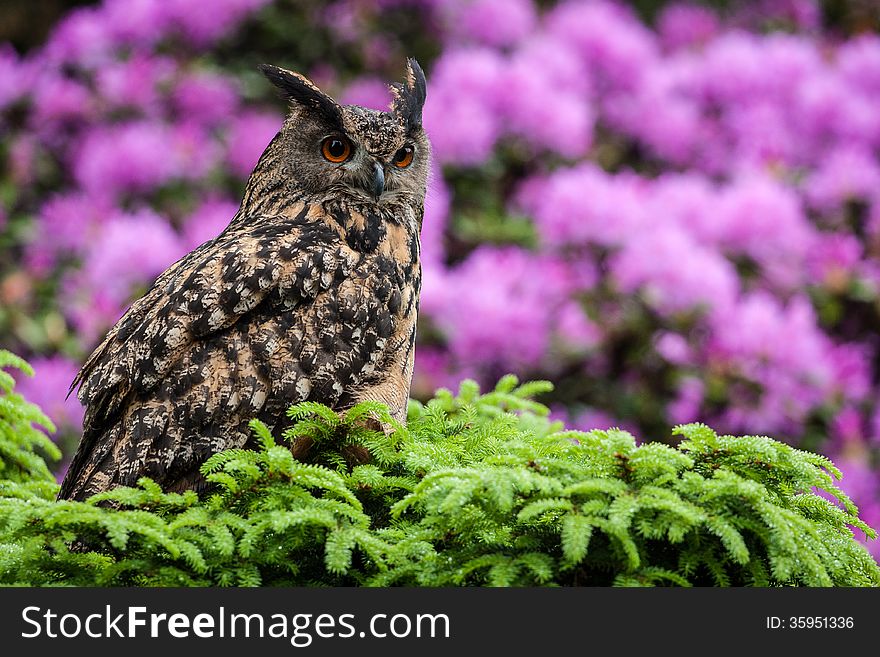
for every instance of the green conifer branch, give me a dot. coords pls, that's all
(477, 489)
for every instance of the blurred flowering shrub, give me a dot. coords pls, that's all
(674, 215)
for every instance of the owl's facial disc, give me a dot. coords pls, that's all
(368, 155)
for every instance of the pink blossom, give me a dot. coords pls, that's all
(587, 419)
(207, 221)
(81, 37)
(674, 348)
(121, 262)
(609, 39)
(48, 389)
(460, 113)
(369, 92)
(760, 218)
(137, 157)
(834, 259)
(687, 405)
(58, 99)
(491, 22)
(683, 24)
(131, 250)
(847, 426)
(249, 134)
(846, 173)
(564, 125)
(205, 98)
(437, 202)
(67, 224)
(584, 205)
(675, 274)
(577, 332)
(134, 83)
(858, 61)
(15, 77)
(504, 319)
(783, 349)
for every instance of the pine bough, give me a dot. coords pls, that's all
(476, 490)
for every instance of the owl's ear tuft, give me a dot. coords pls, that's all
(409, 95)
(300, 90)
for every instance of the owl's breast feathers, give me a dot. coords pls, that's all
(316, 303)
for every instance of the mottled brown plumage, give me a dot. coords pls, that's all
(311, 293)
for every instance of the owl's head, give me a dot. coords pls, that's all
(365, 155)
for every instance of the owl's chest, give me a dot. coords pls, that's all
(386, 247)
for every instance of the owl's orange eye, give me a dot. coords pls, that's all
(335, 149)
(404, 157)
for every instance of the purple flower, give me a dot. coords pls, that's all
(249, 134)
(681, 25)
(141, 156)
(58, 99)
(139, 23)
(674, 273)
(506, 319)
(585, 419)
(852, 370)
(131, 250)
(847, 426)
(733, 68)
(368, 92)
(858, 61)
(437, 202)
(780, 348)
(861, 483)
(875, 426)
(125, 257)
(575, 330)
(660, 113)
(495, 23)
(195, 24)
(48, 390)
(688, 402)
(135, 157)
(834, 259)
(134, 83)
(674, 348)
(762, 219)
(761, 135)
(434, 368)
(80, 37)
(688, 202)
(564, 125)
(67, 224)
(205, 99)
(560, 65)
(207, 221)
(761, 330)
(845, 174)
(827, 109)
(615, 210)
(609, 39)
(15, 76)
(460, 114)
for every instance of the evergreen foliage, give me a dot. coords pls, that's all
(23, 471)
(477, 489)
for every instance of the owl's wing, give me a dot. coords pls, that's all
(191, 310)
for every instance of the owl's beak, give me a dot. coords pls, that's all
(378, 180)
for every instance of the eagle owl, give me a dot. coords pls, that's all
(310, 293)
